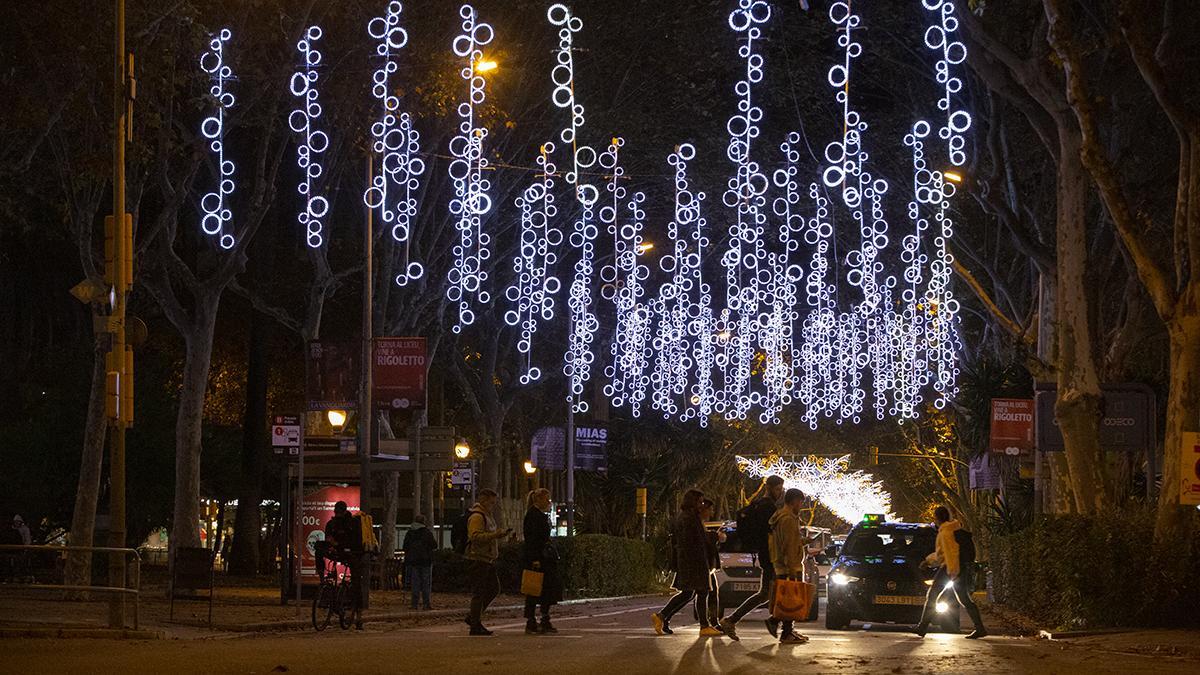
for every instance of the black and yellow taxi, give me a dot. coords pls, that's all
(878, 576)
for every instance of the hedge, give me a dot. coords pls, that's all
(1097, 571)
(593, 565)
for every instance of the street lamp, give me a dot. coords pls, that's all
(952, 176)
(644, 246)
(462, 450)
(530, 468)
(485, 66)
(337, 419)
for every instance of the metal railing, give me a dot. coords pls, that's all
(131, 572)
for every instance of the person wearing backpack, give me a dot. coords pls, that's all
(754, 529)
(419, 547)
(481, 549)
(954, 557)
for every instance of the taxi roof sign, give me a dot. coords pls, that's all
(872, 519)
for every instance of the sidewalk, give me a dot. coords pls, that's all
(240, 606)
(1180, 644)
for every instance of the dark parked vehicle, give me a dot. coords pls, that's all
(877, 576)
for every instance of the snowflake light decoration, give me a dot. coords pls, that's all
(849, 495)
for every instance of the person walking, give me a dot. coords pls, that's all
(689, 558)
(483, 547)
(787, 552)
(419, 547)
(713, 538)
(754, 530)
(539, 554)
(954, 572)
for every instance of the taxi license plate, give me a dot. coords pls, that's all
(745, 586)
(899, 600)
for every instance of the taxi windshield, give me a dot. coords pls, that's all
(893, 542)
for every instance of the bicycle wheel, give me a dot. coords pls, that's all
(345, 605)
(322, 600)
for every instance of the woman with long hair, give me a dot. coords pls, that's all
(538, 554)
(690, 561)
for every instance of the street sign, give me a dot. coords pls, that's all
(331, 375)
(1126, 424)
(1189, 469)
(547, 449)
(398, 373)
(437, 448)
(285, 434)
(462, 475)
(1012, 426)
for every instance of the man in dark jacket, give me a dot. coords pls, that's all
(762, 506)
(343, 532)
(419, 546)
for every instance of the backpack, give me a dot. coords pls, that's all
(966, 547)
(751, 528)
(459, 536)
(367, 532)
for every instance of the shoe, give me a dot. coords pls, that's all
(730, 629)
(427, 608)
(660, 624)
(977, 633)
(793, 639)
(468, 621)
(547, 627)
(772, 627)
(480, 630)
(709, 631)
(531, 627)
(358, 625)
(920, 630)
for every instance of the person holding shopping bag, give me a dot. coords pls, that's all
(540, 581)
(787, 552)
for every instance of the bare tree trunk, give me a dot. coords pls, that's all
(391, 511)
(247, 525)
(1183, 411)
(1078, 405)
(190, 423)
(83, 518)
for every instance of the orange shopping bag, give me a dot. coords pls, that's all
(792, 599)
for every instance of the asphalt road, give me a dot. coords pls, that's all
(615, 639)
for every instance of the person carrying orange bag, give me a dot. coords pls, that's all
(790, 600)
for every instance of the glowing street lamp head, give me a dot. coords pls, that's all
(530, 468)
(485, 65)
(462, 450)
(645, 246)
(337, 419)
(952, 176)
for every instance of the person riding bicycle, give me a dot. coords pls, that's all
(343, 537)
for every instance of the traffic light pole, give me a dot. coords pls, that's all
(121, 258)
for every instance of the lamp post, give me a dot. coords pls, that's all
(463, 452)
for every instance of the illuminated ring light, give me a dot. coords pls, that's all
(939, 37)
(313, 142)
(395, 143)
(468, 277)
(562, 76)
(534, 287)
(216, 221)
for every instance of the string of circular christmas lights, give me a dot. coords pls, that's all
(218, 217)
(314, 142)
(396, 143)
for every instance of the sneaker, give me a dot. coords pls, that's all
(730, 629)
(480, 630)
(977, 633)
(709, 631)
(793, 639)
(531, 627)
(660, 624)
(772, 626)
(547, 627)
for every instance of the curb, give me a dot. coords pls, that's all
(396, 617)
(1068, 634)
(70, 633)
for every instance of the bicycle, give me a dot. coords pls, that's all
(333, 596)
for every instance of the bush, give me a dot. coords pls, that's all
(593, 565)
(1095, 571)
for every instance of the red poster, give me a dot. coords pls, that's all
(399, 373)
(1012, 426)
(315, 511)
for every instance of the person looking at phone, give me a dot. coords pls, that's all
(483, 547)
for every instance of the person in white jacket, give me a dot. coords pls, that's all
(953, 573)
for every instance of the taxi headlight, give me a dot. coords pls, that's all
(841, 578)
